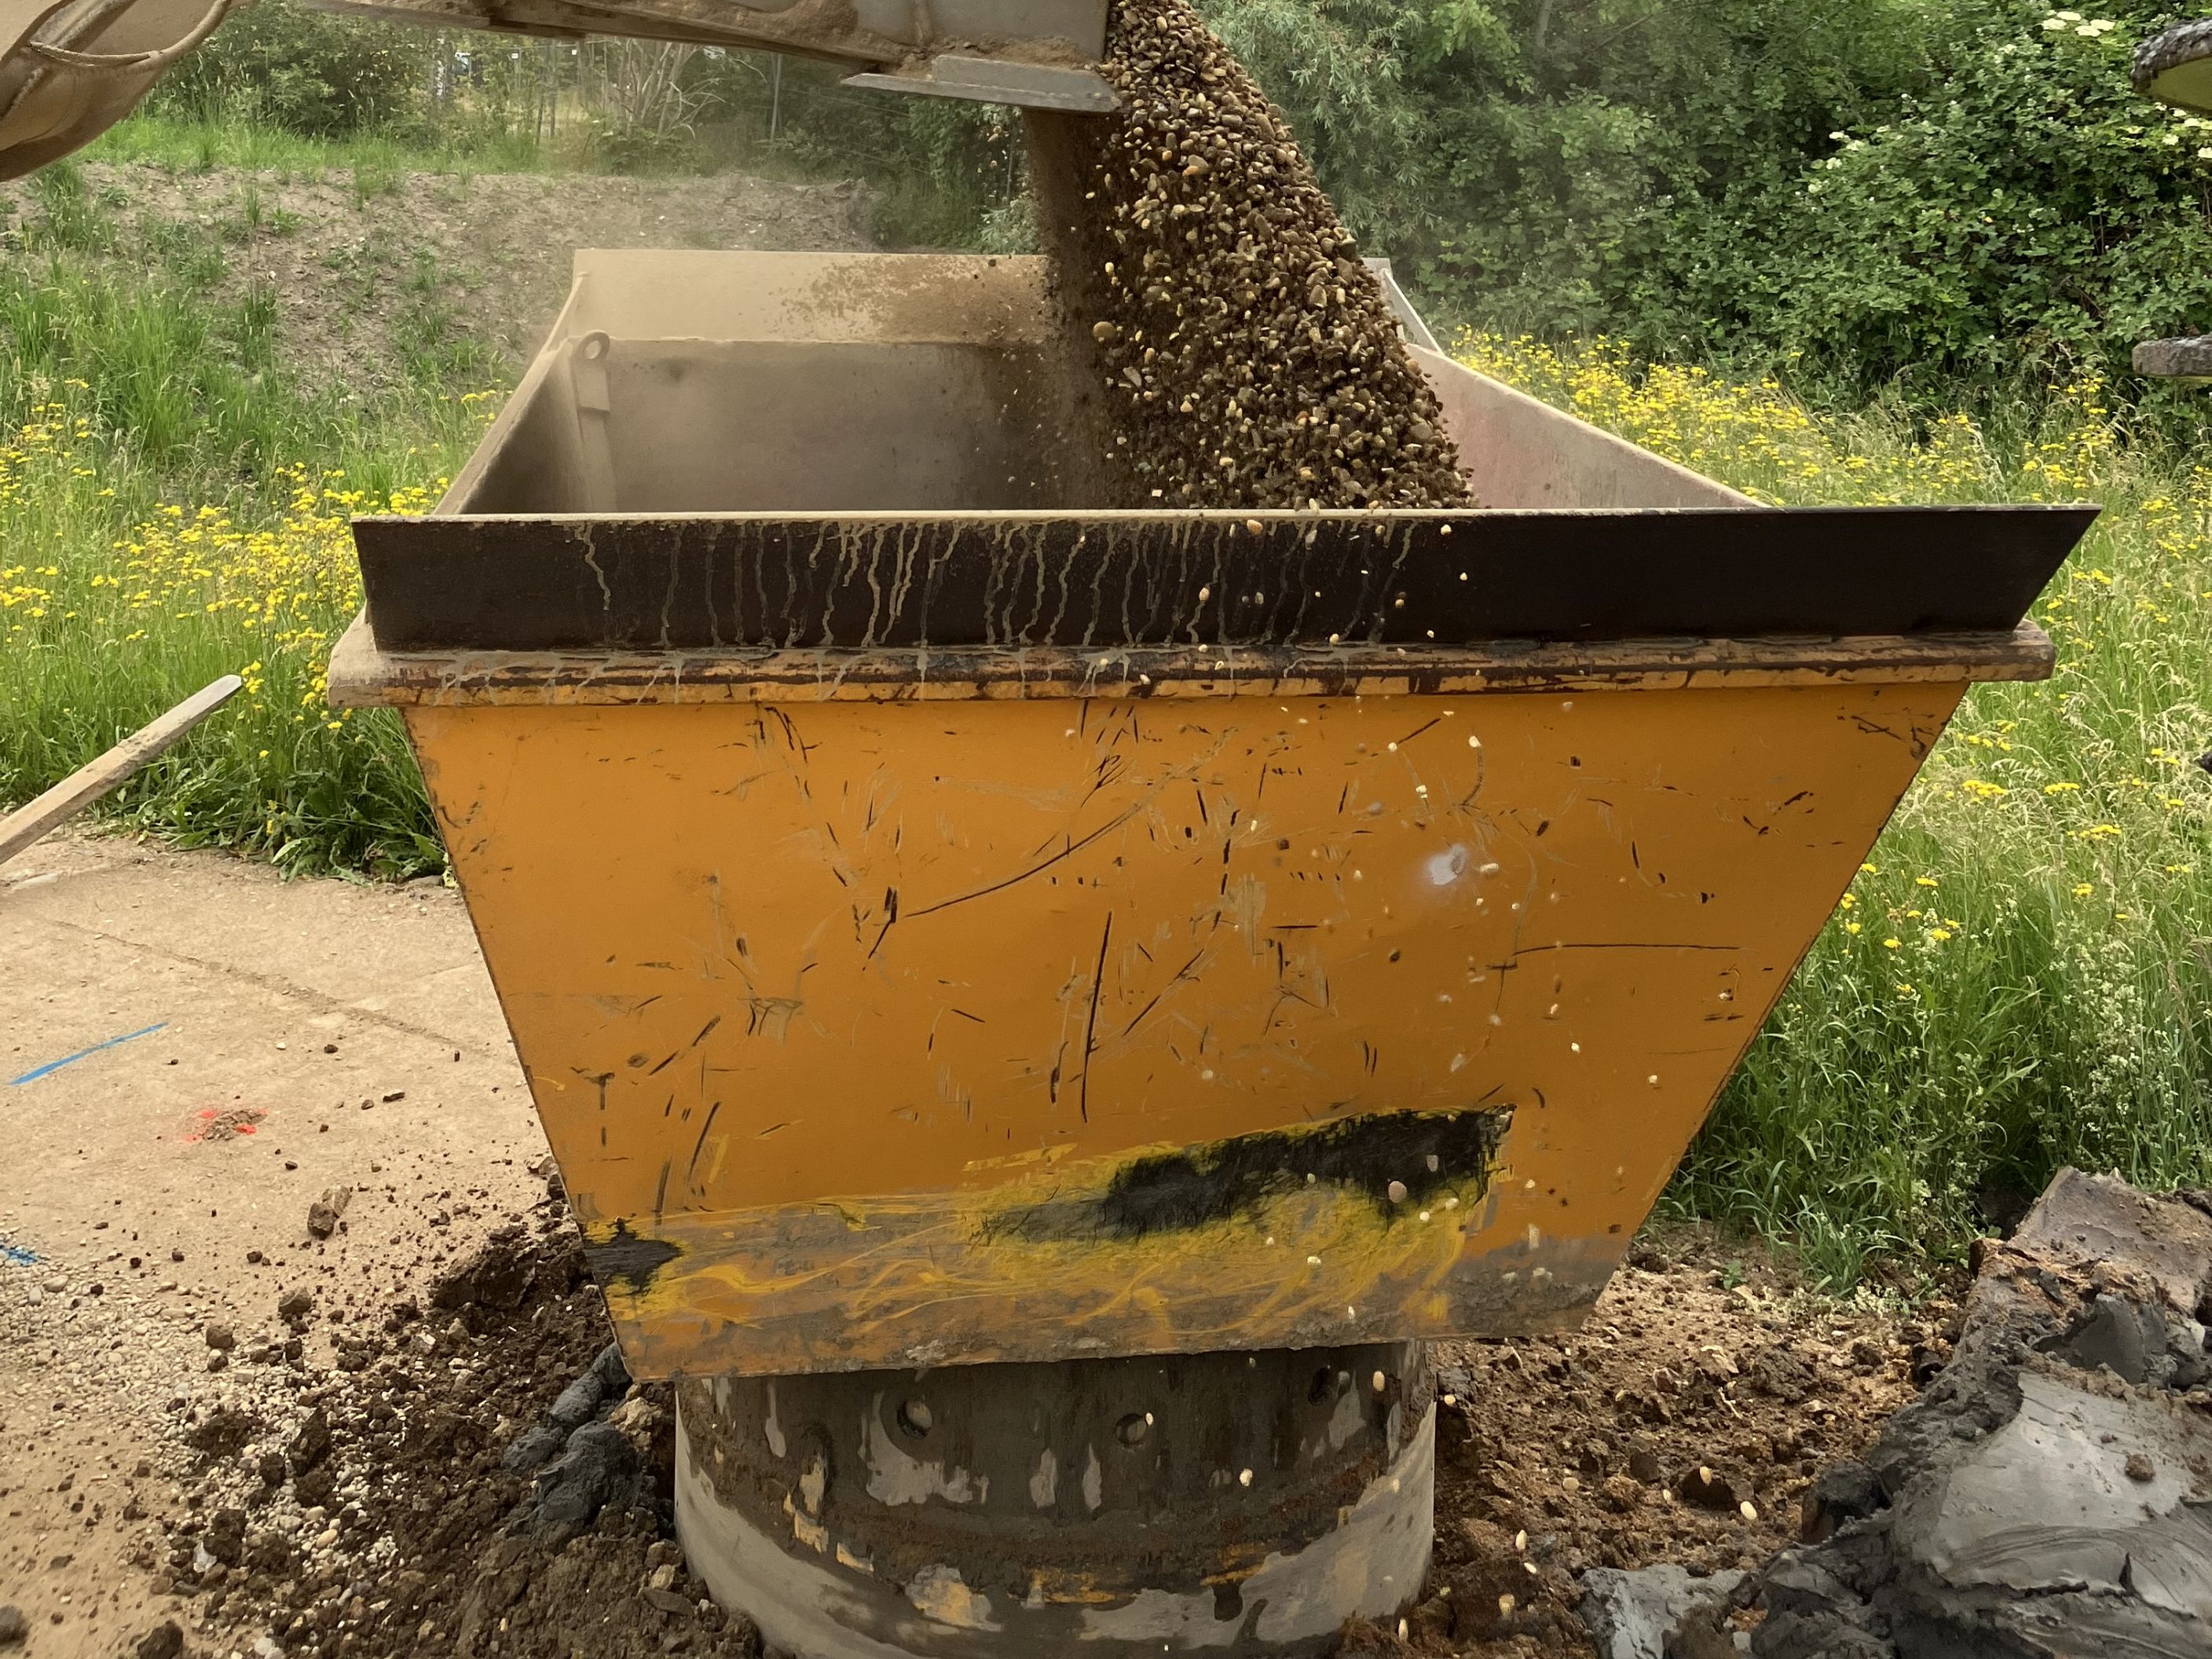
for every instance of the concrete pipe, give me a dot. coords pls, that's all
(1111, 1507)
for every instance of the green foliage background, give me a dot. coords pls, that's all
(318, 74)
(1948, 201)
(1945, 195)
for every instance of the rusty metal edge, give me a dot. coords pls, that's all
(362, 676)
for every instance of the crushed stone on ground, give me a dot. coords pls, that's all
(1699, 1386)
(1235, 351)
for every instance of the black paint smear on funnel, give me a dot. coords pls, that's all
(1198, 1186)
(624, 1256)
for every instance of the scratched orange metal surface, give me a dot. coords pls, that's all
(845, 1019)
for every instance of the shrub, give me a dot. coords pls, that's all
(2028, 217)
(309, 72)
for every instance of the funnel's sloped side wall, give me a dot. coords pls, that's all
(712, 427)
(1520, 453)
(672, 293)
(870, 1035)
(533, 460)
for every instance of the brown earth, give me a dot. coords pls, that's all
(334, 1484)
(1685, 1422)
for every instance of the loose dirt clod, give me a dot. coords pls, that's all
(452, 1491)
(323, 1214)
(1234, 350)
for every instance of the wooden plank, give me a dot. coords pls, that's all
(113, 769)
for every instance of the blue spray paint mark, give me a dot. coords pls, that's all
(71, 1059)
(13, 1255)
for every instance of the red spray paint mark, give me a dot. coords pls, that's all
(219, 1124)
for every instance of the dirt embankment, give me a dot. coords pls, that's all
(470, 266)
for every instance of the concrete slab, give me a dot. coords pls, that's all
(191, 1049)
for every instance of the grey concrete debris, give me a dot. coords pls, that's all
(2052, 1493)
(2186, 359)
(1641, 1615)
(583, 1399)
(578, 1404)
(1849, 1491)
(532, 1449)
(583, 1462)
(613, 1375)
(598, 1467)
(589, 1398)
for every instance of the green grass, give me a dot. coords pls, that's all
(186, 144)
(172, 509)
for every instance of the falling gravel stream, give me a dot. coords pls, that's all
(1231, 349)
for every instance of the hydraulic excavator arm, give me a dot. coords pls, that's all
(70, 70)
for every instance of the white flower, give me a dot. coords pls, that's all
(2171, 139)
(2054, 24)
(2067, 16)
(2205, 154)
(1839, 137)
(2089, 29)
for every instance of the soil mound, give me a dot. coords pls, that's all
(481, 1477)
